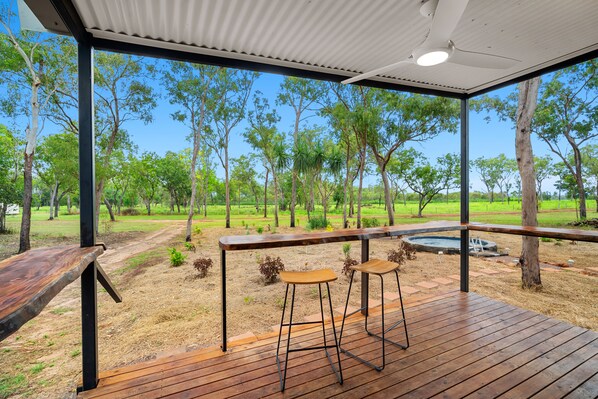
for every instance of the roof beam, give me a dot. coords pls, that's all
(69, 15)
(178, 55)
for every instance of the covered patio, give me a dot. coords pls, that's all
(463, 344)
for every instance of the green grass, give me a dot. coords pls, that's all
(75, 353)
(10, 385)
(61, 310)
(37, 368)
(147, 257)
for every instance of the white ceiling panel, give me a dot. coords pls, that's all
(349, 37)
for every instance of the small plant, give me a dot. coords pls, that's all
(176, 257)
(197, 230)
(279, 302)
(246, 229)
(248, 300)
(317, 222)
(403, 253)
(347, 265)
(367, 222)
(202, 265)
(347, 249)
(545, 239)
(270, 267)
(190, 246)
(38, 368)
(260, 230)
(75, 352)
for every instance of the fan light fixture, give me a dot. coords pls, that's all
(433, 57)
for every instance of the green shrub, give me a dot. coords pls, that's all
(317, 222)
(401, 254)
(202, 265)
(370, 222)
(130, 212)
(197, 230)
(176, 257)
(545, 239)
(270, 267)
(190, 246)
(260, 230)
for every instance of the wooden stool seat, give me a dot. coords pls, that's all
(376, 266)
(308, 277)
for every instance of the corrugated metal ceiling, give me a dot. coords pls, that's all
(353, 36)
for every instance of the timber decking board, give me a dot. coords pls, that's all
(460, 344)
(30, 280)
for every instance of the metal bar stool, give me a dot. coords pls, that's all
(309, 277)
(379, 268)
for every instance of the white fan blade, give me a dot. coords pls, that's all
(481, 60)
(376, 72)
(446, 17)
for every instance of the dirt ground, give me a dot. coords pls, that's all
(167, 309)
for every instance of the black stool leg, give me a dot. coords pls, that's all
(340, 338)
(283, 376)
(339, 375)
(402, 310)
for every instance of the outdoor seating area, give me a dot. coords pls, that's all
(461, 345)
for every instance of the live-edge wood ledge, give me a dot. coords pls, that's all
(30, 280)
(236, 243)
(548, 232)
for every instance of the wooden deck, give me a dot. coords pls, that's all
(462, 345)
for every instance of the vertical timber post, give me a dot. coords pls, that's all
(365, 278)
(223, 291)
(464, 194)
(89, 321)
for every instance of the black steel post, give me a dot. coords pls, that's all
(365, 278)
(223, 293)
(89, 317)
(464, 194)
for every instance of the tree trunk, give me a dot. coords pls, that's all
(529, 260)
(387, 198)
(69, 204)
(266, 195)
(275, 199)
(345, 188)
(53, 195)
(3, 209)
(24, 240)
(110, 212)
(360, 189)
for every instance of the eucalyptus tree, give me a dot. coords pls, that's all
(121, 171)
(173, 175)
(244, 176)
(31, 68)
(589, 154)
(568, 108)
(490, 171)
(526, 107)
(146, 178)
(449, 166)
(543, 167)
(402, 118)
(123, 94)
(58, 167)
(355, 107)
(507, 168)
(235, 88)
(300, 94)
(399, 165)
(9, 173)
(194, 88)
(427, 180)
(263, 136)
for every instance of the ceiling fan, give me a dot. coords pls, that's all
(438, 46)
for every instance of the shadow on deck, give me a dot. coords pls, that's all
(461, 345)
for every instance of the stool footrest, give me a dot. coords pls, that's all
(301, 323)
(311, 348)
(354, 356)
(387, 340)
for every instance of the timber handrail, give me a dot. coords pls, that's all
(237, 243)
(30, 280)
(548, 232)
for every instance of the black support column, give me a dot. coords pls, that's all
(365, 278)
(465, 194)
(89, 339)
